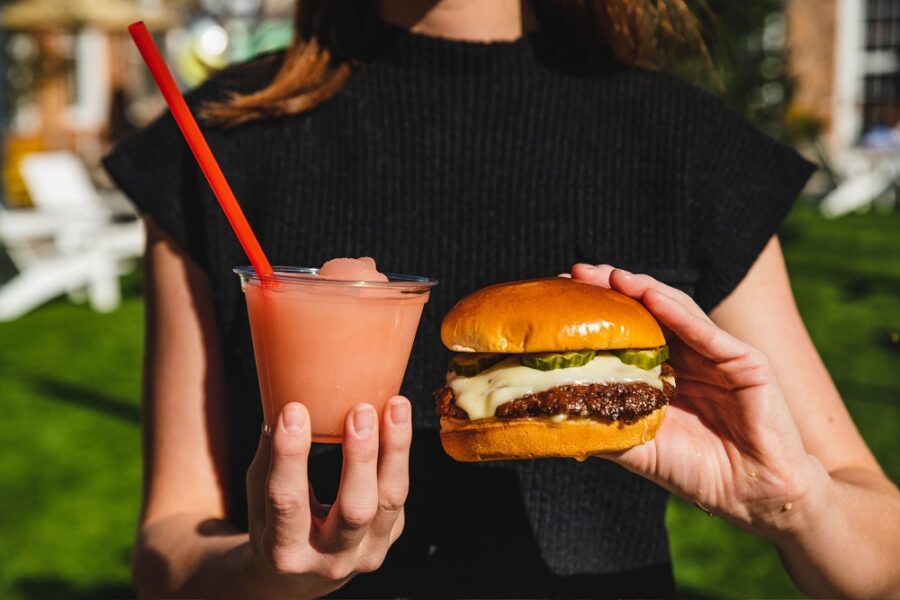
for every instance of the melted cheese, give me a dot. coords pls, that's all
(481, 395)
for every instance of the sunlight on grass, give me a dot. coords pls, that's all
(70, 477)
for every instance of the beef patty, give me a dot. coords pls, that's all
(612, 401)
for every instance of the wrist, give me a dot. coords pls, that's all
(804, 505)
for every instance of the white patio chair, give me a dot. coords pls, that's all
(866, 176)
(856, 193)
(69, 243)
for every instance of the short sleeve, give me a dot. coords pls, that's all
(742, 186)
(156, 170)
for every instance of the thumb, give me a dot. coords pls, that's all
(287, 487)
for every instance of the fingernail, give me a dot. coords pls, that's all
(625, 272)
(294, 418)
(364, 421)
(586, 266)
(400, 412)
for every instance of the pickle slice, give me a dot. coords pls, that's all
(469, 365)
(643, 359)
(548, 361)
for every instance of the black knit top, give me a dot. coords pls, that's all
(478, 163)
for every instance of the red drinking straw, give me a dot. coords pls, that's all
(208, 164)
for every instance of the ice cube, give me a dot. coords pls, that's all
(352, 269)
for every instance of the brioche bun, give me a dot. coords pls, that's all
(555, 314)
(539, 437)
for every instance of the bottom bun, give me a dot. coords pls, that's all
(516, 439)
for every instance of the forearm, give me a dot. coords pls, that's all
(846, 537)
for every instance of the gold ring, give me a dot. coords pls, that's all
(703, 508)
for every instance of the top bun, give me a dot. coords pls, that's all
(556, 314)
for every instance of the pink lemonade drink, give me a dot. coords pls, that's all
(331, 338)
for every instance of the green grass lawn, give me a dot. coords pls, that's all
(70, 469)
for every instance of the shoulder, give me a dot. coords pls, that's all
(678, 98)
(711, 131)
(161, 136)
(658, 108)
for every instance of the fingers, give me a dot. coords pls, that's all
(698, 333)
(393, 466)
(719, 357)
(630, 284)
(287, 489)
(694, 392)
(722, 357)
(357, 500)
(367, 516)
(595, 275)
(353, 535)
(637, 286)
(397, 529)
(689, 364)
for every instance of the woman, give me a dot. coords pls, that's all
(442, 138)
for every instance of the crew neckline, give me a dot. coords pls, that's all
(531, 52)
(405, 48)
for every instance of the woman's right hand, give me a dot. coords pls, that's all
(301, 548)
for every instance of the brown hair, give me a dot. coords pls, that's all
(329, 35)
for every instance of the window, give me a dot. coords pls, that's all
(881, 65)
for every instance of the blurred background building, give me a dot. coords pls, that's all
(844, 64)
(73, 84)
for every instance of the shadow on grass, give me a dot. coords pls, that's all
(85, 397)
(57, 588)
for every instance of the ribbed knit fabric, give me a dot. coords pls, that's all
(478, 163)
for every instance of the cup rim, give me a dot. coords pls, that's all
(306, 276)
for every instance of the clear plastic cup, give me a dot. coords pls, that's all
(330, 344)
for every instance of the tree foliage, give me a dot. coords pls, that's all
(746, 52)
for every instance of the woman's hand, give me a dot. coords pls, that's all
(729, 442)
(299, 547)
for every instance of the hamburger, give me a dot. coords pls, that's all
(551, 368)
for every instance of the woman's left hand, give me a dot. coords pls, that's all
(729, 442)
